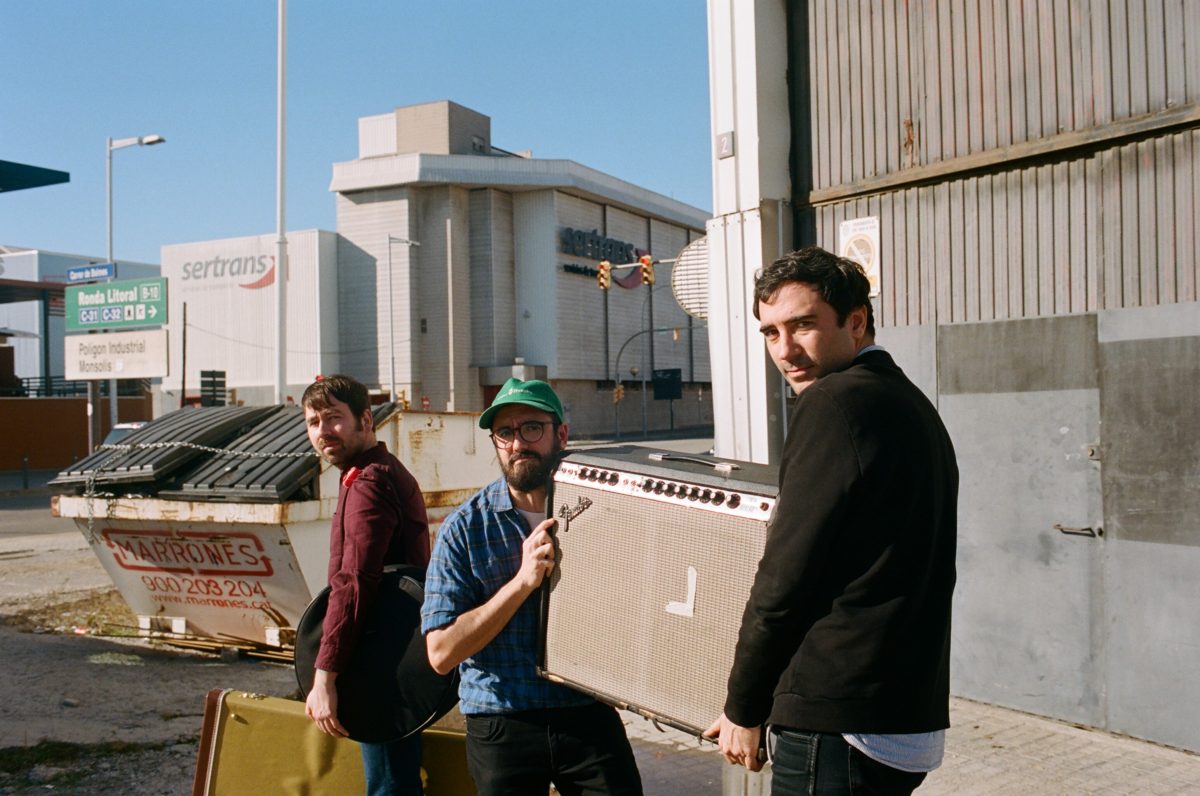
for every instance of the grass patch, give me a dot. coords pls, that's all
(103, 613)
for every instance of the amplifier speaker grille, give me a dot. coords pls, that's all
(645, 604)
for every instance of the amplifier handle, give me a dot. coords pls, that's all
(720, 467)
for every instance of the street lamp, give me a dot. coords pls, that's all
(122, 143)
(114, 144)
(634, 371)
(392, 313)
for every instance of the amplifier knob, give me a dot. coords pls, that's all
(658, 487)
(706, 496)
(647, 485)
(718, 498)
(694, 494)
(670, 490)
(612, 478)
(734, 501)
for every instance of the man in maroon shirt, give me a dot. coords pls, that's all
(380, 520)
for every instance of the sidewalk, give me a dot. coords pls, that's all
(989, 750)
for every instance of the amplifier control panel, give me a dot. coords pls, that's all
(707, 497)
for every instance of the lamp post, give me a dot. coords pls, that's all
(392, 314)
(115, 144)
(617, 372)
(634, 371)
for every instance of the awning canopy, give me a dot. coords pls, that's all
(14, 290)
(18, 176)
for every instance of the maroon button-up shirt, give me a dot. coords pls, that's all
(380, 520)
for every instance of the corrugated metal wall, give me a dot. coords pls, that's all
(1036, 159)
(902, 83)
(1016, 153)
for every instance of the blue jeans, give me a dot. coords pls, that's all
(823, 764)
(394, 768)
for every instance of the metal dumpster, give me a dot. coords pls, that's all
(214, 522)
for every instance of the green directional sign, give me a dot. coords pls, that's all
(128, 304)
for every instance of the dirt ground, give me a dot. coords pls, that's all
(88, 707)
(90, 710)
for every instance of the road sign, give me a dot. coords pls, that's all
(668, 384)
(127, 304)
(140, 354)
(91, 273)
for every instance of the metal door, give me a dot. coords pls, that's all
(1021, 402)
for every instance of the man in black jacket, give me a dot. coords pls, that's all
(844, 648)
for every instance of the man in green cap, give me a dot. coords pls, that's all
(491, 555)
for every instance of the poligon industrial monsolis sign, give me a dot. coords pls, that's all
(135, 354)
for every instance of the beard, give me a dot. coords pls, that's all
(530, 471)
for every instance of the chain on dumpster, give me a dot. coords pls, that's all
(125, 448)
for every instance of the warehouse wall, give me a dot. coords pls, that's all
(1035, 172)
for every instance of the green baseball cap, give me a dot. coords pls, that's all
(534, 392)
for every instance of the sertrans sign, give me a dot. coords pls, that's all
(251, 272)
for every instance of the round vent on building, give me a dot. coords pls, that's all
(689, 278)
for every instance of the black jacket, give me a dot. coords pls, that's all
(847, 628)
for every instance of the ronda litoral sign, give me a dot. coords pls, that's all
(127, 304)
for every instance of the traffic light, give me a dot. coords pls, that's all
(604, 277)
(618, 393)
(647, 269)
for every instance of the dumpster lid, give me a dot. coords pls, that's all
(224, 454)
(161, 448)
(382, 412)
(269, 463)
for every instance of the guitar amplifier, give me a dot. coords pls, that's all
(656, 555)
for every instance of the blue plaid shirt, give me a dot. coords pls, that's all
(478, 550)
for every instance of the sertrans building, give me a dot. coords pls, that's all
(455, 265)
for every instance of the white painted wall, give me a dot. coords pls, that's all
(751, 224)
(231, 317)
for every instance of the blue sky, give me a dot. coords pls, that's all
(620, 86)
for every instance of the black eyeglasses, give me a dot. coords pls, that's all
(530, 431)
